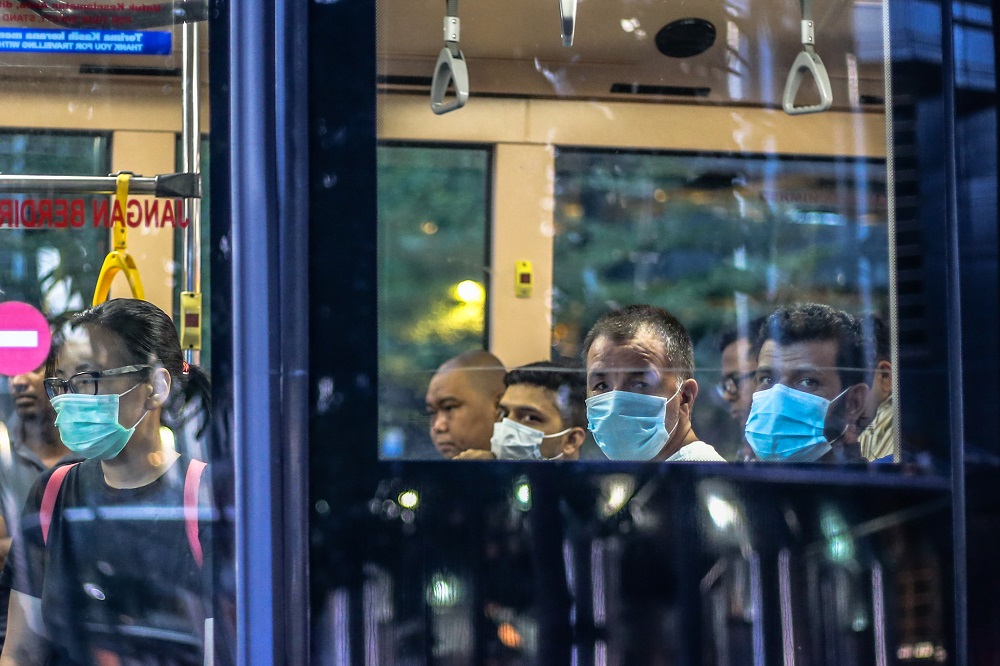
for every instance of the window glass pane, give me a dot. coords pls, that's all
(51, 253)
(650, 158)
(718, 240)
(97, 88)
(432, 206)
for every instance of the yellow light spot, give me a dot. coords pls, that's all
(470, 291)
(573, 211)
(660, 195)
(167, 439)
(429, 228)
(409, 499)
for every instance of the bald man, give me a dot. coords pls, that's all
(462, 402)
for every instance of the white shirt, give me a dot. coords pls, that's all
(696, 452)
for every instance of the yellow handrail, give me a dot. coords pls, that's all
(118, 260)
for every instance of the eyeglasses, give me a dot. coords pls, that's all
(729, 387)
(86, 382)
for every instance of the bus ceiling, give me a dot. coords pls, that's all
(712, 52)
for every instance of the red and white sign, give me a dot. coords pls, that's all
(24, 338)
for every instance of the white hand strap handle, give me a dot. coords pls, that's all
(807, 61)
(567, 13)
(450, 68)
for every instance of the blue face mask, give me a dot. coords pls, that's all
(787, 425)
(630, 426)
(88, 424)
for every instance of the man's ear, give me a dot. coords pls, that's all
(689, 393)
(854, 402)
(159, 380)
(574, 440)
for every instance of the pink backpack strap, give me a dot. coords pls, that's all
(49, 498)
(192, 484)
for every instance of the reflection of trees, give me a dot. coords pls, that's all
(54, 266)
(688, 234)
(432, 231)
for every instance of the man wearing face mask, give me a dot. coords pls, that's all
(542, 412)
(811, 387)
(29, 445)
(641, 389)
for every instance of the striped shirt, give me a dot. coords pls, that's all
(876, 440)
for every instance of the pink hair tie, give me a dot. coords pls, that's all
(185, 368)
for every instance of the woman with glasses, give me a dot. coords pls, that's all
(113, 568)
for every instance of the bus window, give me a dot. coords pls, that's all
(42, 264)
(105, 399)
(433, 277)
(715, 239)
(661, 160)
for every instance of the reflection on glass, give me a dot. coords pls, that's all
(104, 87)
(432, 279)
(715, 238)
(617, 185)
(55, 267)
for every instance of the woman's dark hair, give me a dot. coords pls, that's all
(150, 338)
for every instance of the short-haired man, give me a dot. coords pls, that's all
(462, 401)
(811, 387)
(641, 387)
(29, 445)
(876, 439)
(738, 365)
(543, 414)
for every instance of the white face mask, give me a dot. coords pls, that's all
(514, 441)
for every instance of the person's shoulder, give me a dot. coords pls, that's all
(697, 451)
(43, 481)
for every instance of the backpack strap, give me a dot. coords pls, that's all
(192, 484)
(49, 498)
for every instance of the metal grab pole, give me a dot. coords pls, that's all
(191, 162)
(73, 185)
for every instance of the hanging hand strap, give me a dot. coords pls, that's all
(567, 16)
(807, 61)
(119, 260)
(450, 68)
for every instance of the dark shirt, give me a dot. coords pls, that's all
(118, 575)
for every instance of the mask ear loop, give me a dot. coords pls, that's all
(143, 413)
(670, 433)
(847, 424)
(558, 434)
